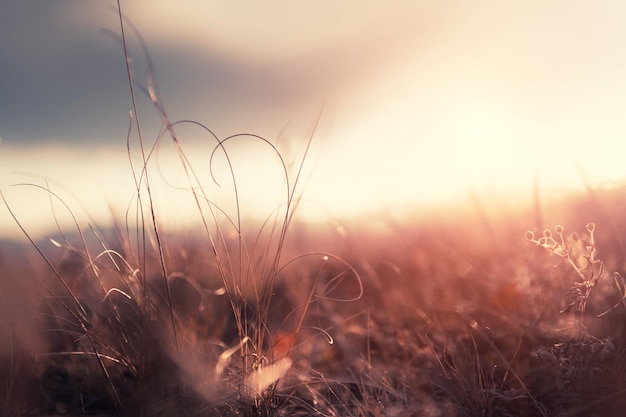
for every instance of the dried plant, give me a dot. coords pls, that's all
(579, 252)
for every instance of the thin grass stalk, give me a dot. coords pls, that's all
(146, 179)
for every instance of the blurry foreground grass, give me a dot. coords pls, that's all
(449, 316)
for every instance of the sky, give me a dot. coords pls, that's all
(422, 103)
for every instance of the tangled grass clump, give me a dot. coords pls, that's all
(134, 325)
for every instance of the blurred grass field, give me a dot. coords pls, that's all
(487, 307)
(453, 315)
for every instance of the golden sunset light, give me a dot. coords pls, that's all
(424, 103)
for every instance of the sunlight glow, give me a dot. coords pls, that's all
(424, 107)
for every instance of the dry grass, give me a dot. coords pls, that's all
(458, 314)
(448, 323)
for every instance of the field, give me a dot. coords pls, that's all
(455, 314)
(481, 309)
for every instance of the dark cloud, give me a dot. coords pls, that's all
(67, 82)
(57, 80)
(62, 77)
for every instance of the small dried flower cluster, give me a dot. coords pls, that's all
(580, 253)
(560, 246)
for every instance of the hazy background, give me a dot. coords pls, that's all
(425, 102)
